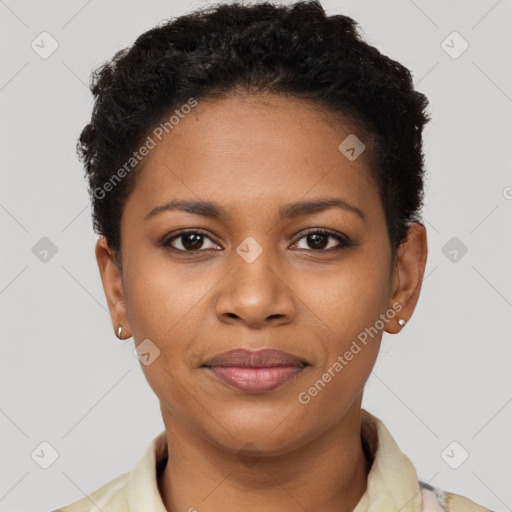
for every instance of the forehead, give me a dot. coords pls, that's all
(252, 150)
(301, 126)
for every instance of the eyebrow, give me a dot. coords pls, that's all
(287, 211)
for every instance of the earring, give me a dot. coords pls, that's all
(119, 330)
(401, 322)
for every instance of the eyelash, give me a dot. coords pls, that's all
(344, 242)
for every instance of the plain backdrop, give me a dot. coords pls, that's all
(66, 380)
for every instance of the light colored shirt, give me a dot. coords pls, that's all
(392, 484)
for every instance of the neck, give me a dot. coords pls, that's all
(329, 473)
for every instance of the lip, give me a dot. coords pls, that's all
(255, 371)
(264, 358)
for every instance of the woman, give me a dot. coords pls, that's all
(256, 174)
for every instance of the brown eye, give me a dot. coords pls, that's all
(189, 241)
(319, 241)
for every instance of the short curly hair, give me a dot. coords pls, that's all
(295, 50)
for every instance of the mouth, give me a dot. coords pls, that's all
(255, 371)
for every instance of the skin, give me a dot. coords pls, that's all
(252, 155)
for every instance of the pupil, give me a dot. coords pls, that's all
(192, 241)
(320, 245)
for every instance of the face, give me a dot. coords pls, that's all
(257, 273)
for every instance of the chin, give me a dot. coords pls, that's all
(256, 432)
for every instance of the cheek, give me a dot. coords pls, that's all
(345, 301)
(162, 299)
(350, 332)
(165, 305)
(330, 394)
(347, 304)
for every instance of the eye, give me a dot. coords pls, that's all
(318, 240)
(194, 240)
(189, 241)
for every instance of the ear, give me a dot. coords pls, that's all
(112, 279)
(407, 276)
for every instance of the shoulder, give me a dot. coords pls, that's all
(438, 500)
(457, 503)
(111, 497)
(133, 490)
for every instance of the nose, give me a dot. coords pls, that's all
(256, 294)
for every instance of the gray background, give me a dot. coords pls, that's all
(67, 380)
